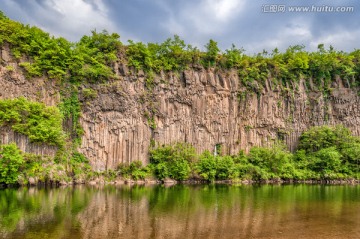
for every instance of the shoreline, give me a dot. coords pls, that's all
(170, 182)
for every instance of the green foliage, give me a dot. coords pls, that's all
(179, 169)
(325, 152)
(206, 166)
(328, 160)
(173, 161)
(225, 168)
(351, 156)
(212, 52)
(89, 94)
(295, 63)
(39, 122)
(317, 138)
(233, 57)
(79, 166)
(89, 59)
(171, 55)
(329, 152)
(275, 161)
(11, 160)
(71, 110)
(92, 57)
(135, 170)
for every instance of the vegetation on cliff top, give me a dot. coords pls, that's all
(40, 54)
(93, 56)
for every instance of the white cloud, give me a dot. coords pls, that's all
(337, 40)
(78, 17)
(223, 10)
(296, 32)
(226, 21)
(205, 17)
(67, 18)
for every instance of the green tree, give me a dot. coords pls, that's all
(39, 122)
(11, 160)
(320, 137)
(328, 162)
(233, 57)
(212, 51)
(206, 166)
(225, 168)
(276, 161)
(173, 161)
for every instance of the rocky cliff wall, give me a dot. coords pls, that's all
(14, 84)
(205, 108)
(198, 106)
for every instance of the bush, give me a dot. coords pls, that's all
(276, 162)
(161, 170)
(39, 122)
(135, 170)
(206, 166)
(173, 161)
(351, 156)
(80, 167)
(327, 159)
(320, 137)
(11, 160)
(179, 169)
(225, 168)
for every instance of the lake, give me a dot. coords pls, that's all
(181, 211)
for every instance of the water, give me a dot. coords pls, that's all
(206, 211)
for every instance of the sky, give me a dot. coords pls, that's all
(254, 25)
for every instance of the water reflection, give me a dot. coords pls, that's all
(207, 211)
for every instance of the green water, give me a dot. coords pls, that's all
(206, 211)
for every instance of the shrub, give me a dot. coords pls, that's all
(206, 166)
(179, 169)
(276, 161)
(39, 122)
(225, 168)
(320, 137)
(135, 170)
(327, 159)
(11, 160)
(212, 51)
(173, 161)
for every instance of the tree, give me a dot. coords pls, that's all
(320, 137)
(233, 56)
(206, 166)
(11, 160)
(212, 51)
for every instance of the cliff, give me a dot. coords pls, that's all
(204, 107)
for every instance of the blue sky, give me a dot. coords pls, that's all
(242, 22)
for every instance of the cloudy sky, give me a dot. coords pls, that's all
(252, 24)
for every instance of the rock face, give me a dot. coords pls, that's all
(202, 107)
(205, 108)
(7, 136)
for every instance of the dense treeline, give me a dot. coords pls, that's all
(89, 59)
(92, 57)
(324, 153)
